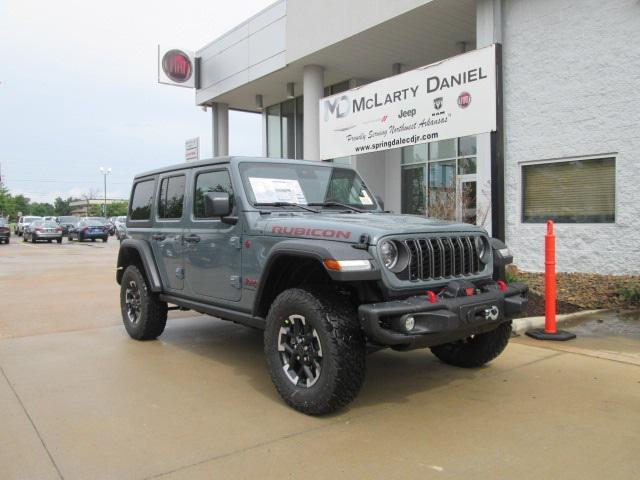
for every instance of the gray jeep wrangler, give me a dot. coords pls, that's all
(305, 252)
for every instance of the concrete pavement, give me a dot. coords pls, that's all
(79, 399)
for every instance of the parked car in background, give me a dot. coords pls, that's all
(49, 219)
(67, 222)
(42, 230)
(106, 222)
(87, 229)
(5, 232)
(23, 221)
(121, 227)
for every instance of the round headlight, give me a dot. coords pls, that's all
(481, 248)
(389, 254)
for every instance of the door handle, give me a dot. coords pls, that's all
(158, 236)
(192, 238)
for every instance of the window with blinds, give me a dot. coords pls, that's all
(581, 191)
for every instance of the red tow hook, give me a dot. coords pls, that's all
(431, 296)
(502, 285)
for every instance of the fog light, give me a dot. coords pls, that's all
(409, 323)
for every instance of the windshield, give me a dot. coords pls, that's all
(93, 223)
(2, 222)
(67, 219)
(31, 219)
(304, 184)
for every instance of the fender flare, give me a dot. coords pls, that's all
(148, 263)
(318, 250)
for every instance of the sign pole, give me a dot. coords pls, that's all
(497, 164)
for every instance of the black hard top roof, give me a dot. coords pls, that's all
(230, 160)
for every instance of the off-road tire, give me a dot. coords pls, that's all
(475, 351)
(153, 312)
(343, 349)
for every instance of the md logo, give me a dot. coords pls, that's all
(338, 107)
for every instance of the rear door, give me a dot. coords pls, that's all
(168, 229)
(212, 248)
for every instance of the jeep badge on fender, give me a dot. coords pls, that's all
(303, 251)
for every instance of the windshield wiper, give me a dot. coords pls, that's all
(331, 203)
(285, 204)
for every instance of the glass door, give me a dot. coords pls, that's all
(413, 189)
(442, 190)
(467, 196)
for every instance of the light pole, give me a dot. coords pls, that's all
(105, 172)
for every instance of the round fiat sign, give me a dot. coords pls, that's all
(177, 66)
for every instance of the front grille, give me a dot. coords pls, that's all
(440, 257)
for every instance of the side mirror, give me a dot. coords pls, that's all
(380, 201)
(217, 204)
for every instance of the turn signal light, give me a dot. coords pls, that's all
(346, 265)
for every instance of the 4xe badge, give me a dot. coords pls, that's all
(464, 99)
(437, 103)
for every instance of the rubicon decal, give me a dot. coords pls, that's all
(312, 232)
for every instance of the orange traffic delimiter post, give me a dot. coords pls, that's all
(550, 279)
(549, 331)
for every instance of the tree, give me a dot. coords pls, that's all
(114, 209)
(22, 205)
(41, 209)
(62, 207)
(7, 203)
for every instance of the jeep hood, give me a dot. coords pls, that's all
(348, 227)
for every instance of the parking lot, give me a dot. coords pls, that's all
(79, 399)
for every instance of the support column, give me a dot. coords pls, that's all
(220, 129)
(490, 158)
(313, 91)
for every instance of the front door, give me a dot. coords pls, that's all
(212, 248)
(467, 196)
(166, 237)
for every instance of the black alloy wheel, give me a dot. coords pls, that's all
(132, 301)
(300, 351)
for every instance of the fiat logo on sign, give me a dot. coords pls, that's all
(177, 66)
(464, 99)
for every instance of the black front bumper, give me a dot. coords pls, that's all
(445, 320)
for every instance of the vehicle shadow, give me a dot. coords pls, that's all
(391, 378)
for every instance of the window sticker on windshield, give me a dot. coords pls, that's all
(269, 190)
(365, 199)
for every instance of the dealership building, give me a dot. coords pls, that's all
(558, 140)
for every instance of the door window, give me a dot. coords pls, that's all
(216, 181)
(171, 197)
(142, 200)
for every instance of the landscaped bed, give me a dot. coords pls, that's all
(581, 291)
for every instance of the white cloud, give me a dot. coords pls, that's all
(79, 90)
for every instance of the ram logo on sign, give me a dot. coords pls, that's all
(452, 98)
(176, 67)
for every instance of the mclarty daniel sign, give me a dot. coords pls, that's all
(452, 98)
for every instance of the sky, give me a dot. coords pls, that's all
(78, 90)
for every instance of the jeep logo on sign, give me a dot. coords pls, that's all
(339, 107)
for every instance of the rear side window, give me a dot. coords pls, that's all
(218, 181)
(171, 197)
(142, 200)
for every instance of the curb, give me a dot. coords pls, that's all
(521, 325)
